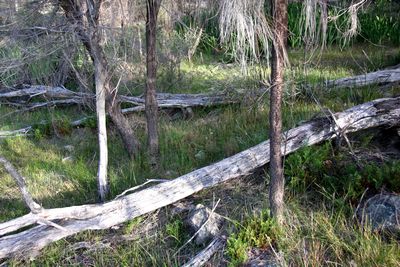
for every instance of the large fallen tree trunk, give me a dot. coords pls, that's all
(377, 77)
(71, 220)
(54, 96)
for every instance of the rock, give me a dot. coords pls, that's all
(188, 113)
(382, 212)
(198, 217)
(67, 159)
(200, 155)
(69, 148)
(261, 257)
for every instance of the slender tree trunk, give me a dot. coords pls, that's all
(122, 124)
(276, 191)
(105, 97)
(324, 22)
(100, 78)
(151, 105)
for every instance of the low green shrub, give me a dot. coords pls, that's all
(260, 231)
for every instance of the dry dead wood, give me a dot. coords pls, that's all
(205, 255)
(377, 77)
(71, 220)
(47, 92)
(54, 96)
(32, 205)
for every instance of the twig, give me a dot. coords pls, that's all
(204, 255)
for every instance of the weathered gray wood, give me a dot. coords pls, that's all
(41, 90)
(167, 100)
(63, 96)
(377, 77)
(380, 112)
(205, 255)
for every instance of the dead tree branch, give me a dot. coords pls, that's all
(32, 205)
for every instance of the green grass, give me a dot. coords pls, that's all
(323, 188)
(185, 145)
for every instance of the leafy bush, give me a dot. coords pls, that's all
(260, 231)
(319, 169)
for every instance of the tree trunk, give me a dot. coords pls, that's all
(91, 38)
(276, 191)
(151, 106)
(123, 127)
(100, 79)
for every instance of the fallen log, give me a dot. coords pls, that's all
(40, 90)
(63, 96)
(55, 96)
(75, 219)
(26, 131)
(377, 77)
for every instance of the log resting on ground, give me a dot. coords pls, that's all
(377, 77)
(55, 96)
(75, 219)
(166, 100)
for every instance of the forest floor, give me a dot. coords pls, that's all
(324, 182)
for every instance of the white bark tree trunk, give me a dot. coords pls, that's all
(102, 133)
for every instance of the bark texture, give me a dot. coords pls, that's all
(55, 96)
(151, 106)
(279, 10)
(71, 220)
(377, 77)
